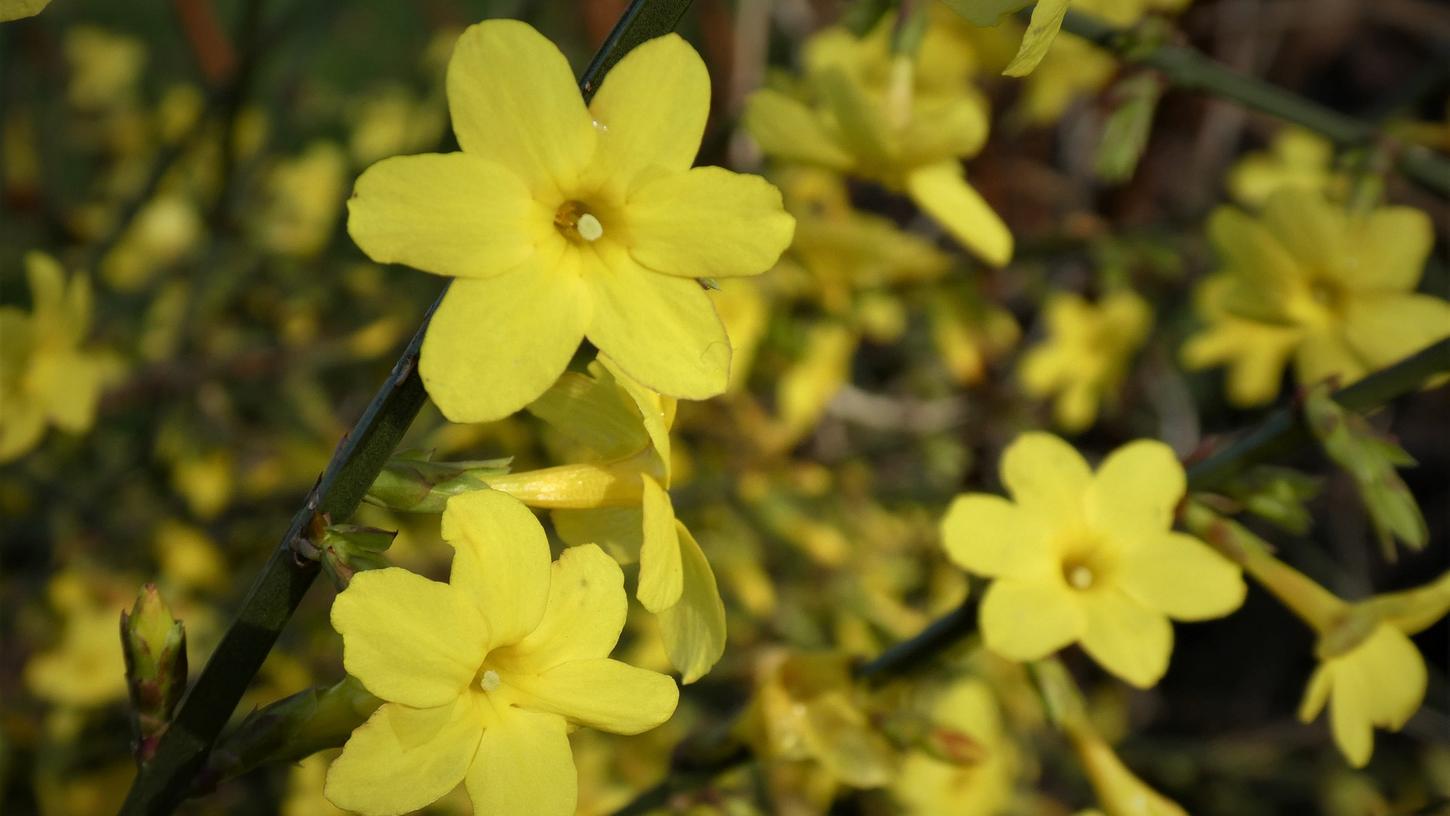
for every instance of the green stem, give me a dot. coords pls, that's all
(1189, 68)
(1279, 432)
(165, 781)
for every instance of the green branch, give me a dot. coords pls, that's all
(1188, 68)
(166, 780)
(697, 763)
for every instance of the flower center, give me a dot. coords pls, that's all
(576, 223)
(1079, 576)
(489, 680)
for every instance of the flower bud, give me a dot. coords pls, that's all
(348, 549)
(154, 645)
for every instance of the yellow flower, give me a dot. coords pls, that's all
(104, 67)
(18, 9)
(561, 222)
(1296, 158)
(46, 377)
(806, 388)
(620, 501)
(1073, 68)
(303, 194)
(1379, 682)
(483, 676)
(1089, 557)
(1085, 357)
(1309, 280)
(866, 112)
(970, 333)
(982, 782)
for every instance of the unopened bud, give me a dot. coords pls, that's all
(348, 549)
(154, 645)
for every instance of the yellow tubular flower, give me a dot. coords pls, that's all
(622, 503)
(1312, 281)
(1088, 557)
(870, 113)
(483, 676)
(561, 222)
(1085, 357)
(46, 378)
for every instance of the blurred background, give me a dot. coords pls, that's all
(192, 159)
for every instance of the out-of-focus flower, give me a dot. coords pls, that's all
(970, 333)
(163, 232)
(805, 389)
(305, 196)
(205, 481)
(1119, 791)
(867, 112)
(1296, 158)
(46, 376)
(189, 558)
(483, 676)
(1089, 557)
(391, 120)
(1086, 354)
(85, 666)
(1309, 280)
(806, 708)
(104, 67)
(972, 770)
(562, 221)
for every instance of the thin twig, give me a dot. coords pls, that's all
(1188, 68)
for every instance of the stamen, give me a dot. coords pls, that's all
(490, 680)
(589, 227)
(1080, 577)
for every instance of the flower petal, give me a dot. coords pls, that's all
(1381, 682)
(1182, 577)
(494, 345)
(989, 535)
(1029, 620)
(585, 613)
(659, 329)
(500, 562)
(408, 639)
(1325, 354)
(604, 694)
(708, 222)
(694, 628)
(1046, 476)
(404, 759)
(786, 129)
(1125, 637)
(450, 214)
(619, 530)
(513, 101)
(651, 110)
(1134, 492)
(661, 572)
(524, 765)
(1386, 329)
(1395, 244)
(942, 192)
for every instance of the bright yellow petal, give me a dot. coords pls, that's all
(661, 571)
(495, 345)
(404, 759)
(524, 765)
(694, 628)
(450, 214)
(408, 639)
(619, 530)
(659, 329)
(593, 411)
(656, 410)
(1181, 577)
(1395, 243)
(514, 101)
(1316, 694)
(651, 110)
(1125, 637)
(1046, 476)
(604, 694)
(1029, 620)
(786, 129)
(1327, 354)
(1314, 231)
(1381, 682)
(500, 562)
(708, 223)
(1041, 31)
(942, 192)
(1386, 329)
(1252, 253)
(1350, 723)
(1135, 491)
(585, 614)
(989, 535)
